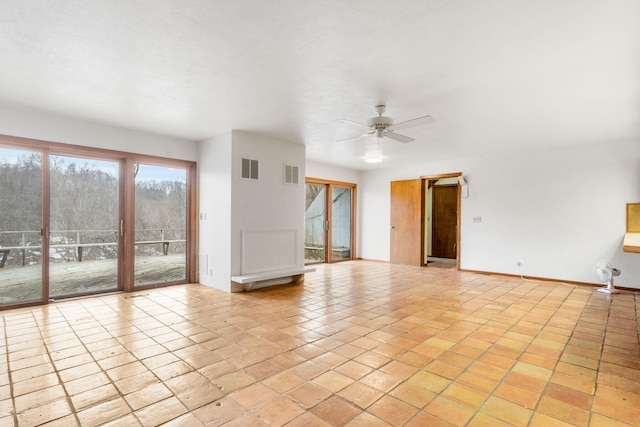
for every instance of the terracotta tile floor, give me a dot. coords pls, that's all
(359, 344)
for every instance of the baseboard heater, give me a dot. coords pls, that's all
(248, 282)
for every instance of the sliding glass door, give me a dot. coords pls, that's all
(315, 223)
(161, 224)
(329, 217)
(79, 221)
(83, 226)
(20, 226)
(341, 217)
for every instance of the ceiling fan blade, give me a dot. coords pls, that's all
(418, 121)
(355, 137)
(398, 137)
(354, 123)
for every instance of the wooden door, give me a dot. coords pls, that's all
(407, 214)
(445, 221)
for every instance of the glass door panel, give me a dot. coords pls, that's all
(341, 223)
(315, 224)
(83, 226)
(20, 225)
(161, 224)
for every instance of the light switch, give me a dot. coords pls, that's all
(477, 219)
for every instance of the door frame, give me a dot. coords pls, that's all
(329, 184)
(426, 179)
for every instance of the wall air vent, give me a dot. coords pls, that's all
(249, 169)
(291, 174)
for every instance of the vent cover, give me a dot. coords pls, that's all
(249, 168)
(291, 174)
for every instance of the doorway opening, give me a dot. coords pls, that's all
(442, 220)
(425, 221)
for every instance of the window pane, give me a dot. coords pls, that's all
(20, 224)
(84, 219)
(315, 216)
(341, 224)
(161, 224)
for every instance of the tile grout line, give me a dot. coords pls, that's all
(147, 314)
(55, 369)
(501, 381)
(585, 304)
(540, 330)
(491, 393)
(9, 372)
(604, 337)
(440, 393)
(550, 330)
(391, 359)
(75, 412)
(549, 319)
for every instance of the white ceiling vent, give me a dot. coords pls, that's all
(250, 169)
(291, 174)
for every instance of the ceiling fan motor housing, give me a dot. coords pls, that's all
(380, 122)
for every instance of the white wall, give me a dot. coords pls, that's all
(214, 194)
(266, 215)
(333, 173)
(48, 127)
(267, 205)
(556, 210)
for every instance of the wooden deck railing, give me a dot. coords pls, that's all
(78, 244)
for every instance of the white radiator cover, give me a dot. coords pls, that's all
(269, 250)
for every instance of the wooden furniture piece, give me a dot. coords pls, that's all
(632, 237)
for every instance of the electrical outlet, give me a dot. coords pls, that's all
(518, 263)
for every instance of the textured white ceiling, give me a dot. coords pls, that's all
(495, 74)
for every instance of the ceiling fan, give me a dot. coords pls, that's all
(382, 126)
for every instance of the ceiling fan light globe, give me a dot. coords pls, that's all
(373, 159)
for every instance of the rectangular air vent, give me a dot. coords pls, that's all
(249, 169)
(291, 174)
